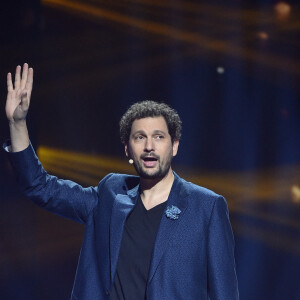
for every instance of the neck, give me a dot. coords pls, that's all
(156, 191)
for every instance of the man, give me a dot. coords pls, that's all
(152, 237)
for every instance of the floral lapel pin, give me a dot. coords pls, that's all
(172, 212)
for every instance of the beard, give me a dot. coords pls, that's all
(161, 170)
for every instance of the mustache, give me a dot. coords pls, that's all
(149, 155)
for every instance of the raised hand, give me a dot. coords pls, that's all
(17, 105)
(18, 95)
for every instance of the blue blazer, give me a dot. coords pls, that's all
(193, 256)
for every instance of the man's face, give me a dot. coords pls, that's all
(150, 146)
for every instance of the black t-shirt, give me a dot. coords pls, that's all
(136, 250)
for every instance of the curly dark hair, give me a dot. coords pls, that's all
(148, 108)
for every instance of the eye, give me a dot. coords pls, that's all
(159, 137)
(139, 137)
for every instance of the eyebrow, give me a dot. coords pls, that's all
(157, 131)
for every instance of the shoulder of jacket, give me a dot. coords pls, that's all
(195, 188)
(115, 179)
(197, 192)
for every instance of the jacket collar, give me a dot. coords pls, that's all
(122, 206)
(167, 228)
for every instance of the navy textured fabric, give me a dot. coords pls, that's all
(193, 256)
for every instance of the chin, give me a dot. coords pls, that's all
(149, 176)
(158, 174)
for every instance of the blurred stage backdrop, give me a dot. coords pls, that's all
(230, 68)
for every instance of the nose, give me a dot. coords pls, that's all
(149, 145)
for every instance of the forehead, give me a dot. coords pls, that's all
(149, 124)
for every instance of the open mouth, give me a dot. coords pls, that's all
(149, 158)
(149, 161)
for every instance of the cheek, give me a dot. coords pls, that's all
(134, 151)
(167, 153)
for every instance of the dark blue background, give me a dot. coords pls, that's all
(240, 128)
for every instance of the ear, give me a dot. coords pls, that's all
(175, 147)
(126, 149)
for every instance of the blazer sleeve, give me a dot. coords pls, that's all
(222, 279)
(63, 197)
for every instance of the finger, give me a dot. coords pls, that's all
(17, 77)
(10, 87)
(24, 76)
(24, 101)
(29, 81)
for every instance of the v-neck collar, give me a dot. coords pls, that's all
(153, 209)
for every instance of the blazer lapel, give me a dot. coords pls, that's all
(123, 205)
(168, 226)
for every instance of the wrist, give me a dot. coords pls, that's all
(17, 124)
(18, 135)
